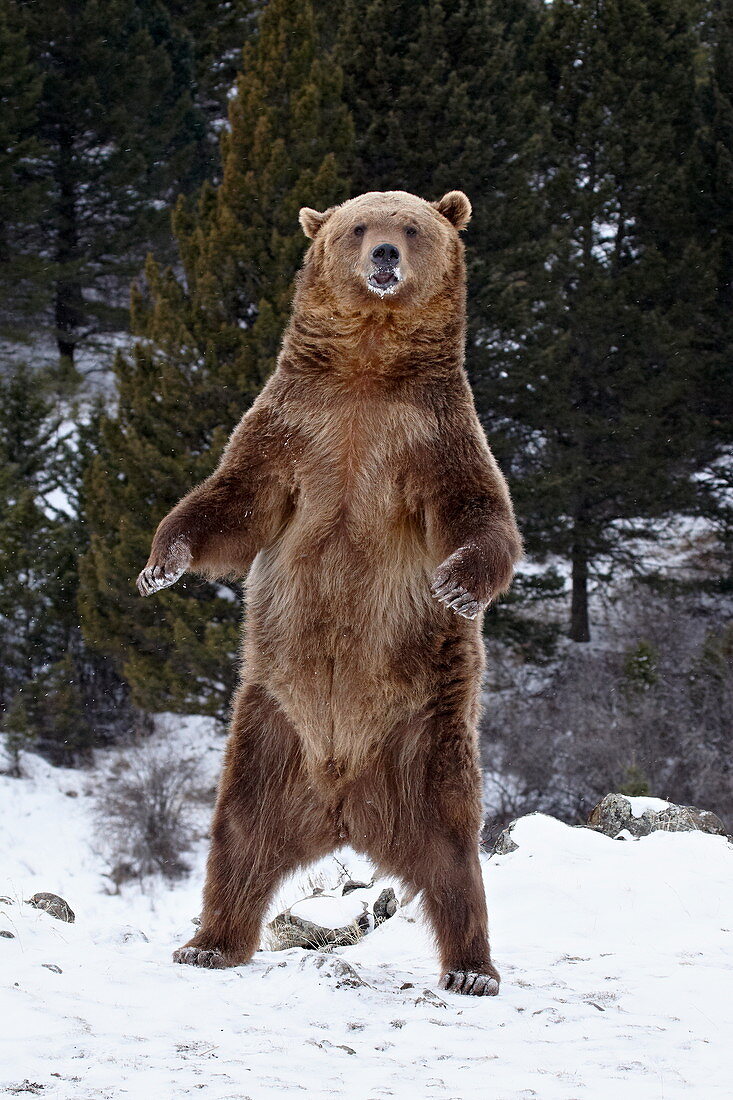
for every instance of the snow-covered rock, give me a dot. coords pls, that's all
(321, 922)
(619, 814)
(505, 843)
(327, 920)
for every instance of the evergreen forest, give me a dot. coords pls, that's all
(154, 156)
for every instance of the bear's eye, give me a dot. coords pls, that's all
(411, 231)
(359, 231)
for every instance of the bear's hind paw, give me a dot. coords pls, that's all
(210, 959)
(470, 983)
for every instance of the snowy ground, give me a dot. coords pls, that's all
(616, 962)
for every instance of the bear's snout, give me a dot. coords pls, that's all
(386, 255)
(386, 275)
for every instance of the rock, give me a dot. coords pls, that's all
(132, 935)
(385, 906)
(620, 815)
(325, 1044)
(338, 973)
(430, 998)
(324, 921)
(291, 930)
(54, 906)
(351, 885)
(504, 843)
(6, 935)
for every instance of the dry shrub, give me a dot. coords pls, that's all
(144, 814)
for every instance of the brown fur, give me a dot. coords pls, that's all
(359, 477)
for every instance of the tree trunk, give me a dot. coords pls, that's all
(579, 621)
(585, 373)
(68, 302)
(67, 315)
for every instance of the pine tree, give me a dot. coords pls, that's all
(441, 102)
(206, 344)
(27, 534)
(119, 137)
(715, 191)
(20, 196)
(215, 34)
(436, 100)
(289, 140)
(56, 697)
(36, 569)
(179, 652)
(590, 386)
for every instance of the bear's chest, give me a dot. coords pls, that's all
(357, 466)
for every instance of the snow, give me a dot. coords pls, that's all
(616, 963)
(640, 804)
(330, 911)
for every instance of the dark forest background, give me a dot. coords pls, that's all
(153, 158)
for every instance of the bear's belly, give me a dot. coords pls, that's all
(341, 625)
(362, 576)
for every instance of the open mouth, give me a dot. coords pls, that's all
(384, 279)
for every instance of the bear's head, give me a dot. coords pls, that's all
(388, 246)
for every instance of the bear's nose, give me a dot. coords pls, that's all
(386, 254)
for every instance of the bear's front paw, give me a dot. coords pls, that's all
(460, 583)
(159, 574)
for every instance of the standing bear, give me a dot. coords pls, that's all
(360, 499)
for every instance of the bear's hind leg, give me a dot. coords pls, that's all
(455, 903)
(266, 824)
(447, 872)
(437, 856)
(433, 803)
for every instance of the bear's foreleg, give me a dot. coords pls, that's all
(266, 824)
(470, 522)
(219, 526)
(211, 531)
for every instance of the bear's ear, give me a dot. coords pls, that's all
(312, 221)
(455, 207)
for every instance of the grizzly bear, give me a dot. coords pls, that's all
(361, 501)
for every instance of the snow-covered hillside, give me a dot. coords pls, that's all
(616, 959)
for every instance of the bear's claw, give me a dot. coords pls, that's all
(155, 577)
(176, 559)
(210, 959)
(470, 983)
(457, 598)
